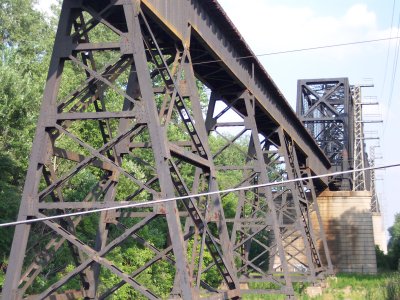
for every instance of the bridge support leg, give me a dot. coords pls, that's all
(105, 138)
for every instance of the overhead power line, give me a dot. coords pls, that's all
(293, 51)
(140, 204)
(394, 73)
(388, 50)
(304, 49)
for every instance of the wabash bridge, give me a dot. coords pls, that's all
(123, 120)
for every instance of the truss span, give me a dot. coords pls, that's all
(122, 120)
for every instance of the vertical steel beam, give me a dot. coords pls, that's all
(161, 153)
(305, 205)
(39, 155)
(359, 177)
(267, 192)
(256, 217)
(314, 210)
(299, 202)
(137, 51)
(375, 206)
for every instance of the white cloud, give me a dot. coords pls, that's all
(270, 27)
(45, 5)
(358, 16)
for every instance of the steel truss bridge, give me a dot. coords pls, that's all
(122, 121)
(331, 111)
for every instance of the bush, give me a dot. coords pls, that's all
(393, 288)
(383, 261)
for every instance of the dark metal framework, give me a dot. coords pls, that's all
(375, 206)
(277, 234)
(325, 107)
(359, 177)
(128, 126)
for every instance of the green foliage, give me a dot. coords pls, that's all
(159, 276)
(391, 260)
(26, 43)
(344, 286)
(10, 182)
(393, 288)
(394, 244)
(383, 261)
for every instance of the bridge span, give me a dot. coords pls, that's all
(123, 120)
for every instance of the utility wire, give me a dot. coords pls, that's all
(388, 50)
(132, 205)
(139, 204)
(293, 51)
(394, 73)
(304, 49)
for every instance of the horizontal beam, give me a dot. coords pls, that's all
(96, 115)
(96, 46)
(88, 205)
(188, 156)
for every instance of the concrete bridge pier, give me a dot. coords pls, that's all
(349, 227)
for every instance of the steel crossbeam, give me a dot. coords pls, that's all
(128, 126)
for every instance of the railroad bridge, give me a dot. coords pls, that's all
(124, 123)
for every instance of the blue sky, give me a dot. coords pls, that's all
(276, 25)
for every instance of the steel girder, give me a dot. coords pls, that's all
(325, 107)
(121, 121)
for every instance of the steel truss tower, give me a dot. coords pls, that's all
(277, 232)
(121, 122)
(359, 177)
(375, 206)
(325, 107)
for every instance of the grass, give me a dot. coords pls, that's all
(383, 286)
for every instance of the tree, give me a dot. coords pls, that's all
(394, 243)
(25, 49)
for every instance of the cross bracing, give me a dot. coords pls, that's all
(325, 106)
(130, 127)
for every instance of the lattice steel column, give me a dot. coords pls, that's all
(302, 227)
(359, 177)
(319, 231)
(271, 237)
(375, 206)
(256, 220)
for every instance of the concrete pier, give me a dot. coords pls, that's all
(348, 224)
